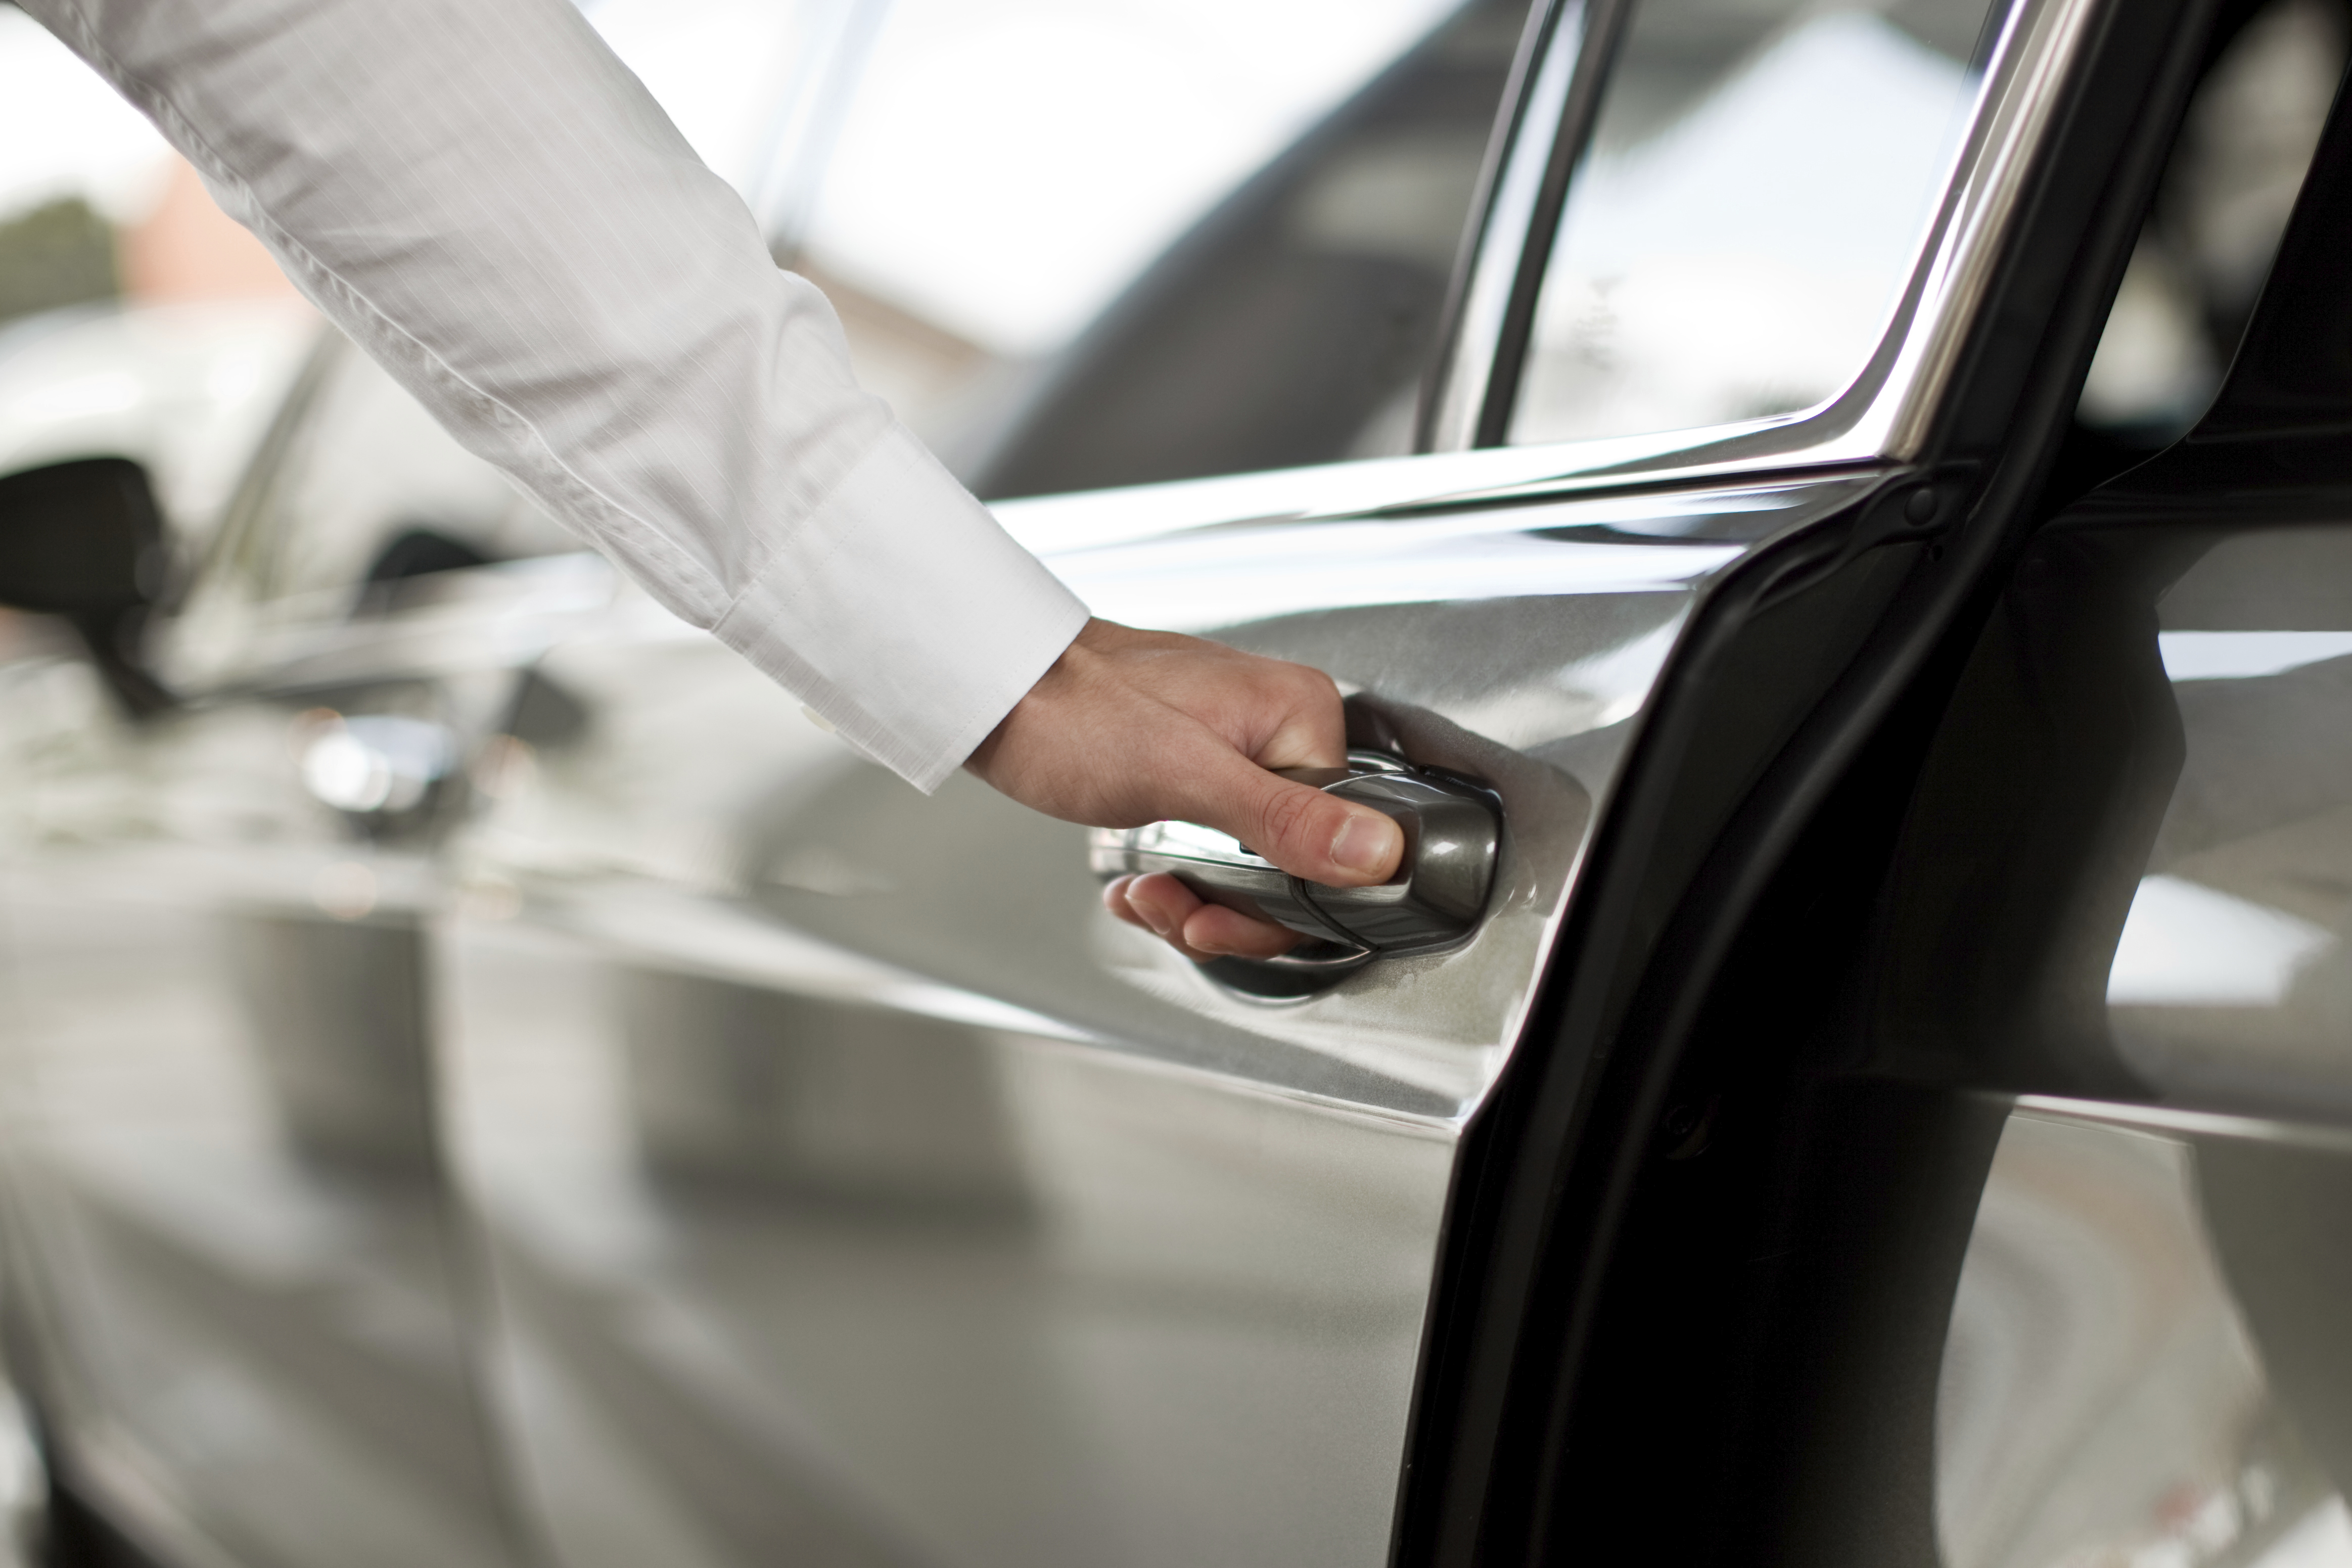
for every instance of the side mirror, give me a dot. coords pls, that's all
(85, 540)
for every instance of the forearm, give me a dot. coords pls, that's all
(491, 205)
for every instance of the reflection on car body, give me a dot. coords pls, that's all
(486, 1082)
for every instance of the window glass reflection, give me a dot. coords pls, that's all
(2222, 208)
(1756, 186)
(1084, 243)
(1012, 165)
(1081, 243)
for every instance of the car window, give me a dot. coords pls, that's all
(1757, 182)
(1080, 243)
(2219, 212)
(371, 490)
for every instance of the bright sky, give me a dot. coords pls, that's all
(718, 67)
(65, 133)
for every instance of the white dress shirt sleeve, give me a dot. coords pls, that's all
(488, 200)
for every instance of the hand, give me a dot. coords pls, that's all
(1131, 727)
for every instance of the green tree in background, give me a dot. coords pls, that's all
(61, 254)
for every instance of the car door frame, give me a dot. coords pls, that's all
(1684, 922)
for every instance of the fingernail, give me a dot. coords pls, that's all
(1153, 917)
(1366, 840)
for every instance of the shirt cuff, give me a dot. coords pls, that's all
(904, 614)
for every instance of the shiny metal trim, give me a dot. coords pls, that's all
(2040, 48)
(1382, 488)
(1502, 245)
(2168, 1120)
(1886, 413)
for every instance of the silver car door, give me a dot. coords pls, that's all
(854, 1186)
(855, 1190)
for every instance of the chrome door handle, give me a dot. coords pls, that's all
(1453, 830)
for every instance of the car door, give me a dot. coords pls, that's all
(2149, 1345)
(853, 1189)
(1964, 1181)
(236, 1249)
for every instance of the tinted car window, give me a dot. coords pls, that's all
(1098, 243)
(2245, 146)
(371, 489)
(1757, 184)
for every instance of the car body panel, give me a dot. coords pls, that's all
(967, 1208)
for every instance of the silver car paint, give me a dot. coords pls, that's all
(842, 1134)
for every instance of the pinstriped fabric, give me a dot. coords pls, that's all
(494, 207)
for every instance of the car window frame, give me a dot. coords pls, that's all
(1887, 406)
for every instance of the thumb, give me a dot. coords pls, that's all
(1308, 832)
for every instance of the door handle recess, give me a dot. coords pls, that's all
(1453, 830)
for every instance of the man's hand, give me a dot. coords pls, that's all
(1131, 727)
